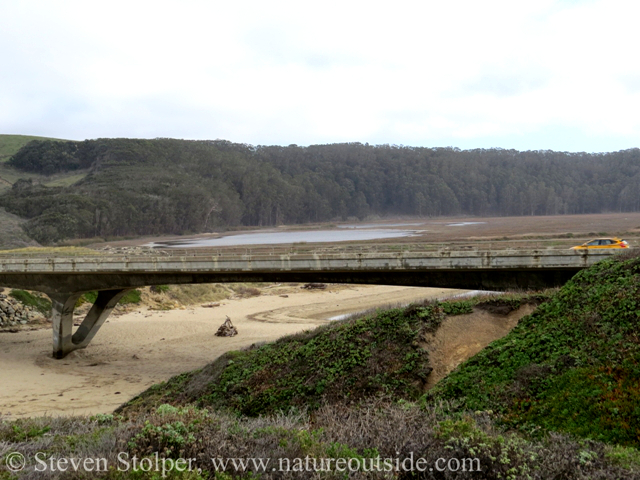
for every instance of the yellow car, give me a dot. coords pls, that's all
(603, 243)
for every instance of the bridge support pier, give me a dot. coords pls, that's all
(65, 340)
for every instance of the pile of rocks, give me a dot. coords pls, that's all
(13, 313)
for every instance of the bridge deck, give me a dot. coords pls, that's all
(457, 269)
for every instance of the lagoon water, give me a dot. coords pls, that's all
(464, 224)
(275, 238)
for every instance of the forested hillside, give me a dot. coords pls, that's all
(165, 186)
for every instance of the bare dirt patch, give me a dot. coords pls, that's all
(460, 337)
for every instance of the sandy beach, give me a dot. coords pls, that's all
(135, 350)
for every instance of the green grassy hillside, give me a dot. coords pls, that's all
(10, 144)
(572, 366)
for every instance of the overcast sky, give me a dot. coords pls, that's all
(540, 74)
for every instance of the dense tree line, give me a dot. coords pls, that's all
(165, 186)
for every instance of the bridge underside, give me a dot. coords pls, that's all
(471, 279)
(65, 289)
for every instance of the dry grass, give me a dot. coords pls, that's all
(65, 251)
(245, 290)
(198, 293)
(66, 180)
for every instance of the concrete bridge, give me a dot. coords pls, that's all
(65, 279)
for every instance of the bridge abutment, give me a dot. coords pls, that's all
(65, 340)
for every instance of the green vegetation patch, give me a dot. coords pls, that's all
(457, 308)
(160, 288)
(572, 365)
(164, 392)
(39, 302)
(132, 296)
(20, 432)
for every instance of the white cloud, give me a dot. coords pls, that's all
(462, 73)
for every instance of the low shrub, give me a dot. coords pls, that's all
(160, 288)
(37, 301)
(457, 307)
